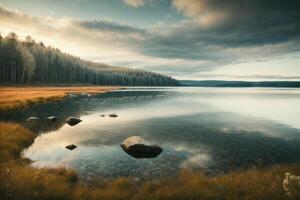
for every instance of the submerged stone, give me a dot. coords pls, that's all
(86, 94)
(72, 95)
(137, 147)
(52, 119)
(113, 115)
(87, 112)
(71, 147)
(72, 121)
(32, 119)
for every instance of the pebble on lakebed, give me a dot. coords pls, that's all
(72, 121)
(71, 147)
(113, 115)
(52, 118)
(32, 119)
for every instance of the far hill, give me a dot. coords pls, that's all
(29, 62)
(217, 83)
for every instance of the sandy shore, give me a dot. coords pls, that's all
(21, 97)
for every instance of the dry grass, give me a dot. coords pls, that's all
(260, 184)
(13, 139)
(20, 181)
(20, 97)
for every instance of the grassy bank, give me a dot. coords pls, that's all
(20, 97)
(18, 180)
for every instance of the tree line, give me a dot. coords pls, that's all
(31, 62)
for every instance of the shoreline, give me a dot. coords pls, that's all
(19, 180)
(20, 97)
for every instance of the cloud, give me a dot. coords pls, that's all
(215, 33)
(230, 13)
(107, 25)
(199, 9)
(134, 3)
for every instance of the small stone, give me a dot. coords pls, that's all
(72, 121)
(113, 115)
(72, 95)
(52, 118)
(71, 147)
(32, 119)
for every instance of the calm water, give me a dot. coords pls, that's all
(213, 129)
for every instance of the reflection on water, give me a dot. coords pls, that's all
(214, 129)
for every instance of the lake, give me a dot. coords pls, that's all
(211, 129)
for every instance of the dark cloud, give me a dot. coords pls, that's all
(214, 33)
(217, 25)
(244, 22)
(107, 25)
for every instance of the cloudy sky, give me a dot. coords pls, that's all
(186, 39)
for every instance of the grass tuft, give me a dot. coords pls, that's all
(13, 139)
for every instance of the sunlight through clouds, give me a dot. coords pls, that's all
(210, 36)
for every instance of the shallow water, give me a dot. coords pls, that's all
(213, 129)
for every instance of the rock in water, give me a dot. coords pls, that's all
(102, 115)
(71, 147)
(52, 119)
(113, 115)
(32, 119)
(137, 147)
(72, 121)
(72, 95)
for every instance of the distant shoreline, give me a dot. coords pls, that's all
(219, 83)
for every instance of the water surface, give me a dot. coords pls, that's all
(212, 129)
